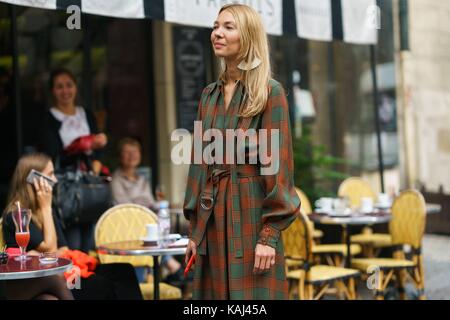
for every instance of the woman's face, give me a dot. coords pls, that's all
(49, 171)
(225, 37)
(130, 157)
(64, 90)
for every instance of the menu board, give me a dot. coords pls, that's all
(190, 72)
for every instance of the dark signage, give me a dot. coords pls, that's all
(190, 73)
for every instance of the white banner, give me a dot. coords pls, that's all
(314, 19)
(44, 4)
(203, 13)
(361, 21)
(115, 8)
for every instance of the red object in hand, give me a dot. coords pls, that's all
(81, 145)
(189, 265)
(13, 252)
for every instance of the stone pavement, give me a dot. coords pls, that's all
(436, 251)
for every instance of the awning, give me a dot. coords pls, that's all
(353, 21)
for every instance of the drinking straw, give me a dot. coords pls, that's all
(20, 216)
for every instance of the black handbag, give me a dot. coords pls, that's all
(81, 197)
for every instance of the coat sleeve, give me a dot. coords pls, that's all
(281, 204)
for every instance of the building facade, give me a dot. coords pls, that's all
(424, 95)
(143, 77)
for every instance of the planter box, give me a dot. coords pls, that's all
(438, 223)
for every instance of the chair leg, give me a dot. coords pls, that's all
(421, 278)
(309, 291)
(291, 289)
(400, 274)
(368, 250)
(351, 289)
(338, 260)
(301, 289)
(379, 295)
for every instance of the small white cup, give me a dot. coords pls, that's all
(384, 200)
(325, 204)
(152, 232)
(339, 205)
(366, 205)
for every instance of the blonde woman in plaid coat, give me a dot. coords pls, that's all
(236, 212)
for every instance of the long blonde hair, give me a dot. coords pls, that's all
(21, 190)
(254, 45)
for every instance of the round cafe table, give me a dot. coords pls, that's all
(380, 216)
(347, 222)
(32, 268)
(137, 248)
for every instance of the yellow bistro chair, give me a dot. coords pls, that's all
(127, 223)
(2, 241)
(307, 208)
(333, 253)
(354, 189)
(406, 228)
(313, 281)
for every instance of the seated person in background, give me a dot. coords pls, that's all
(128, 187)
(114, 281)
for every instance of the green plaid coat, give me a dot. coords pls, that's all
(248, 209)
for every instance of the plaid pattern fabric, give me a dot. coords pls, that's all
(246, 211)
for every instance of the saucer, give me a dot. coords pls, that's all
(383, 205)
(372, 210)
(346, 213)
(323, 211)
(173, 236)
(48, 260)
(145, 239)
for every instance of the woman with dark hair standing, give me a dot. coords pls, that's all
(237, 211)
(63, 124)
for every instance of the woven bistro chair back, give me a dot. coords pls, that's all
(2, 241)
(306, 204)
(124, 222)
(408, 219)
(297, 239)
(354, 189)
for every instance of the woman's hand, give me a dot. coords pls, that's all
(100, 141)
(190, 250)
(264, 258)
(44, 194)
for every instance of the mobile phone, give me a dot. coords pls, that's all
(37, 175)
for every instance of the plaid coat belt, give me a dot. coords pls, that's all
(209, 195)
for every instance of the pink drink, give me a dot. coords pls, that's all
(22, 239)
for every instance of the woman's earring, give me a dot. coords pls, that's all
(249, 66)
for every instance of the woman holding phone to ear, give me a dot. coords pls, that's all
(110, 281)
(43, 231)
(237, 211)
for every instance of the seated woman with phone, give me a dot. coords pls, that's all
(31, 186)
